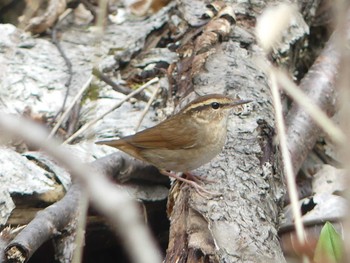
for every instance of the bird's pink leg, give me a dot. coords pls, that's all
(198, 178)
(199, 189)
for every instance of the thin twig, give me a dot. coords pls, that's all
(70, 107)
(89, 124)
(101, 13)
(109, 199)
(288, 167)
(81, 226)
(73, 119)
(149, 103)
(98, 74)
(69, 66)
(343, 84)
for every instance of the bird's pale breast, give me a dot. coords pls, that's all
(207, 147)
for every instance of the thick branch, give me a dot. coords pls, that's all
(47, 224)
(319, 84)
(122, 167)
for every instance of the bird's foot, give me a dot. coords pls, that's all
(198, 188)
(198, 178)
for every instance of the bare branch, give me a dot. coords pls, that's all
(319, 85)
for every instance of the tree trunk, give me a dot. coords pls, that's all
(242, 224)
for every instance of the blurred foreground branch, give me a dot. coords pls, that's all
(108, 199)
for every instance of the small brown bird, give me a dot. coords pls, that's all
(185, 141)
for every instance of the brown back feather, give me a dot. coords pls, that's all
(169, 134)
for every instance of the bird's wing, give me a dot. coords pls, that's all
(174, 136)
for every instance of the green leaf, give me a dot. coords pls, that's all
(329, 246)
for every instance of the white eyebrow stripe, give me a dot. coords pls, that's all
(208, 102)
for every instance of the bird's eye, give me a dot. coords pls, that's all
(215, 105)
